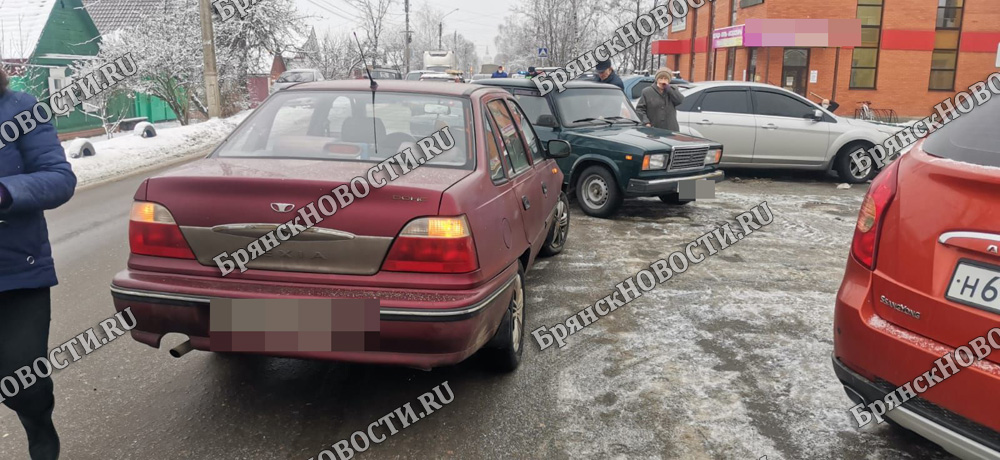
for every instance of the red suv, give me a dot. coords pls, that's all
(444, 247)
(922, 284)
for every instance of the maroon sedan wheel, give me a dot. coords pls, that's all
(509, 338)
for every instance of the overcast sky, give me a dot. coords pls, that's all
(477, 20)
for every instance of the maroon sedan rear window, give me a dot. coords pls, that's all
(347, 126)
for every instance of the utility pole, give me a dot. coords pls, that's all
(211, 73)
(440, 28)
(406, 39)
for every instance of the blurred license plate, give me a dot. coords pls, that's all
(699, 189)
(294, 325)
(975, 285)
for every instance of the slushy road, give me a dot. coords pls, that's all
(728, 360)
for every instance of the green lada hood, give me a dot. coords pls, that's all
(632, 138)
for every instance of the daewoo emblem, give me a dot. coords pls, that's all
(992, 249)
(282, 207)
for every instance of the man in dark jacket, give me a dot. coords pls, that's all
(34, 177)
(657, 106)
(499, 73)
(605, 74)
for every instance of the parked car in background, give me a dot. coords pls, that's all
(764, 126)
(613, 157)
(922, 282)
(415, 74)
(377, 74)
(386, 74)
(440, 76)
(481, 76)
(634, 84)
(458, 74)
(293, 77)
(443, 248)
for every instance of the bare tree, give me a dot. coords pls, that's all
(338, 56)
(568, 28)
(373, 14)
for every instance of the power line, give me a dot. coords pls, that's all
(341, 10)
(330, 11)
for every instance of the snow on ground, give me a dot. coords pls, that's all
(127, 153)
(730, 359)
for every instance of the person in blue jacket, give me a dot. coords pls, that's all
(499, 73)
(34, 177)
(606, 74)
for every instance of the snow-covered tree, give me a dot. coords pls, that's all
(167, 48)
(111, 105)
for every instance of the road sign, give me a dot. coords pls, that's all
(543, 52)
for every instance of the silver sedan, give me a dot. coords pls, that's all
(764, 126)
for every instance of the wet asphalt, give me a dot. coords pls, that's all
(728, 360)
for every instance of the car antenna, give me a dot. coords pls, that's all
(373, 86)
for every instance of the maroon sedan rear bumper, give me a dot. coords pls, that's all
(418, 328)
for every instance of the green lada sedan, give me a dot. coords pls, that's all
(614, 156)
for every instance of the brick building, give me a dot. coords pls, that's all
(912, 54)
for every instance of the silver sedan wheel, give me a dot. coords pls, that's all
(595, 191)
(517, 313)
(859, 173)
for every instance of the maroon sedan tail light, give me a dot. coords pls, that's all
(434, 245)
(869, 227)
(152, 231)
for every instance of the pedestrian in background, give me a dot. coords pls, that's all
(499, 73)
(34, 177)
(606, 74)
(657, 106)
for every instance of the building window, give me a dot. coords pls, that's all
(864, 63)
(946, 36)
(59, 80)
(746, 3)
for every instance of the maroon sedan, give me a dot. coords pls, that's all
(442, 249)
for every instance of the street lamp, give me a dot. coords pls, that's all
(441, 26)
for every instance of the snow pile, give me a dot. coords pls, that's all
(126, 154)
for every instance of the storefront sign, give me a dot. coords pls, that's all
(728, 37)
(802, 33)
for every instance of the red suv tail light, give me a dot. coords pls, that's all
(869, 227)
(433, 245)
(152, 231)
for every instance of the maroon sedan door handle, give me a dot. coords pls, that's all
(525, 202)
(545, 189)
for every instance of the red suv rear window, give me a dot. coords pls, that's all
(970, 138)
